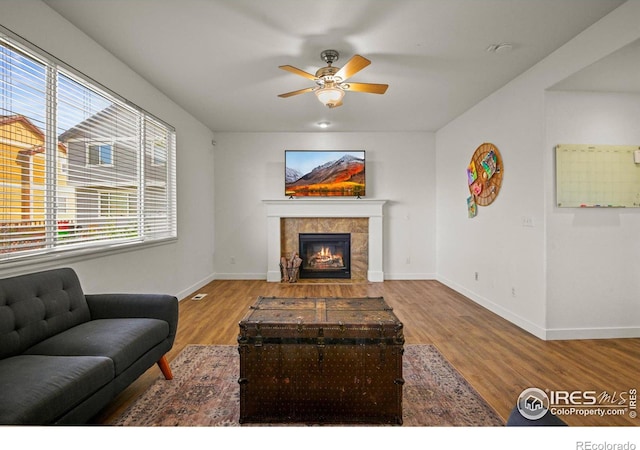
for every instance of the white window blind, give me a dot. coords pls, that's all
(80, 168)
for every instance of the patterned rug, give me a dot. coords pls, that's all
(205, 392)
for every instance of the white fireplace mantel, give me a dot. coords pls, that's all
(325, 207)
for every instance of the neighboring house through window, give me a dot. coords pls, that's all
(80, 167)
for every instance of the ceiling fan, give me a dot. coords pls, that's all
(331, 81)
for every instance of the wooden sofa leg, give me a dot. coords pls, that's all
(164, 367)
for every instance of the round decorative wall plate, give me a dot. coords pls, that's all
(485, 174)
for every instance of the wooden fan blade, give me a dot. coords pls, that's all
(371, 88)
(300, 91)
(300, 72)
(353, 66)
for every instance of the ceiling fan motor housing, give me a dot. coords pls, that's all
(330, 56)
(325, 75)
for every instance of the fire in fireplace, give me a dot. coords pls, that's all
(325, 255)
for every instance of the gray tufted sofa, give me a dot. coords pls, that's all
(65, 355)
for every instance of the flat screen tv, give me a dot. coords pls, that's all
(324, 173)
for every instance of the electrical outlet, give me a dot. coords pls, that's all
(198, 296)
(513, 292)
(232, 260)
(527, 221)
(408, 260)
(476, 276)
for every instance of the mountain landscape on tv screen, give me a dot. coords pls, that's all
(342, 177)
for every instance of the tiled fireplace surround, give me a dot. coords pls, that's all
(360, 217)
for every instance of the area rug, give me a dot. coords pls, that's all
(205, 392)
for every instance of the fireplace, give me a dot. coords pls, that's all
(366, 243)
(325, 255)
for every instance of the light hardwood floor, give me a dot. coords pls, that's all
(499, 359)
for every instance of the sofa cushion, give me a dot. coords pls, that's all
(36, 306)
(122, 340)
(39, 389)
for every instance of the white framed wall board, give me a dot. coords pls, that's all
(597, 176)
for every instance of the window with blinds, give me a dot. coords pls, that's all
(80, 167)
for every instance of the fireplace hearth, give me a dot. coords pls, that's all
(325, 255)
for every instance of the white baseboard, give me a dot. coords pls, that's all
(546, 334)
(194, 287)
(556, 334)
(409, 276)
(525, 324)
(241, 276)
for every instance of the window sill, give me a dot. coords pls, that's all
(43, 262)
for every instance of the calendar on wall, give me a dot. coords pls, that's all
(597, 176)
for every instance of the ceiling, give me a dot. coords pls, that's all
(218, 59)
(617, 72)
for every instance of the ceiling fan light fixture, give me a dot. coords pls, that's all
(330, 96)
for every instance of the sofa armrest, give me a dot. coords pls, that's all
(153, 306)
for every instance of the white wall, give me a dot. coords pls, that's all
(508, 257)
(249, 168)
(593, 256)
(176, 268)
(511, 258)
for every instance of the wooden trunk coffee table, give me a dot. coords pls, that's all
(321, 360)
